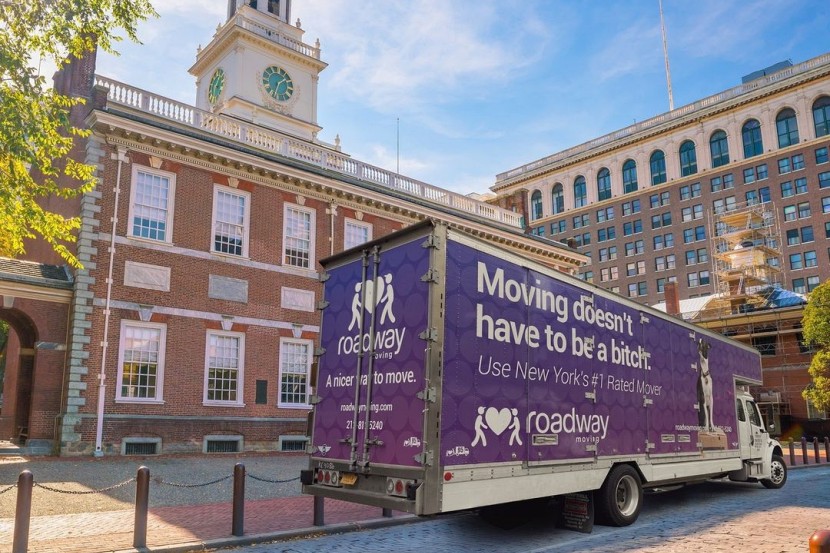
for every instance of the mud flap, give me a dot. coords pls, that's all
(576, 512)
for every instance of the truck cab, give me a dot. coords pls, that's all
(763, 458)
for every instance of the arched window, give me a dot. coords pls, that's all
(658, 167)
(821, 116)
(603, 184)
(629, 176)
(580, 192)
(688, 159)
(753, 144)
(719, 148)
(787, 128)
(557, 199)
(536, 205)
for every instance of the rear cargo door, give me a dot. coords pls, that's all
(373, 363)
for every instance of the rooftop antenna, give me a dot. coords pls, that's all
(666, 56)
(398, 146)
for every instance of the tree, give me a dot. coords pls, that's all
(816, 324)
(36, 134)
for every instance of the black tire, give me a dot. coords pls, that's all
(778, 474)
(620, 498)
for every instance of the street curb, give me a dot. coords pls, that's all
(283, 535)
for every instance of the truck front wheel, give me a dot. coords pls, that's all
(619, 499)
(777, 473)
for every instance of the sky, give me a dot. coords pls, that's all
(457, 91)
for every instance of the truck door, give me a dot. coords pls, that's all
(751, 429)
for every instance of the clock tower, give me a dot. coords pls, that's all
(258, 69)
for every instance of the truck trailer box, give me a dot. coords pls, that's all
(453, 374)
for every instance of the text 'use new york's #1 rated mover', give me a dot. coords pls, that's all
(454, 375)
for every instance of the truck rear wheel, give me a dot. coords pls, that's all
(619, 499)
(777, 474)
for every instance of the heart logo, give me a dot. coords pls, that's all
(498, 421)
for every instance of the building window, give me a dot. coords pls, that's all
(722, 183)
(634, 248)
(606, 214)
(689, 191)
(766, 345)
(753, 144)
(824, 179)
(230, 221)
(605, 234)
(581, 221)
(787, 128)
(789, 213)
(784, 166)
(798, 286)
(803, 210)
(298, 238)
(663, 241)
(358, 232)
(151, 204)
(295, 368)
(629, 208)
(807, 234)
(821, 155)
(224, 368)
(719, 148)
(662, 220)
(580, 192)
(755, 173)
(827, 229)
(141, 361)
(536, 205)
(796, 261)
(812, 283)
(825, 205)
(793, 238)
(798, 162)
(661, 199)
(558, 199)
(657, 164)
(688, 159)
(810, 259)
(821, 116)
(664, 263)
(636, 289)
(629, 176)
(558, 227)
(633, 227)
(603, 184)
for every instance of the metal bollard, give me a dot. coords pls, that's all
(826, 449)
(804, 449)
(387, 513)
(820, 541)
(23, 512)
(815, 450)
(319, 518)
(142, 503)
(238, 500)
(792, 453)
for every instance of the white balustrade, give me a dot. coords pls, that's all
(278, 143)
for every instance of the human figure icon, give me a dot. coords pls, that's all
(515, 426)
(387, 299)
(356, 306)
(479, 428)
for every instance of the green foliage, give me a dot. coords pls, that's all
(36, 135)
(816, 324)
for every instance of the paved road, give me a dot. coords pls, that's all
(711, 517)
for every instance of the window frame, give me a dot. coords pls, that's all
(719, 140)
(240, 370)
(309, 344)
(246, 224)
(687, 154)
(158, 398)
(311, 239)
(368, 227)
(171, 200)
(752, 139)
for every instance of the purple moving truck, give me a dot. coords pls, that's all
(455, 375)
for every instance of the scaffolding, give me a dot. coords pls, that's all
(746, 256)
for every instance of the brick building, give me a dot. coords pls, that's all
(193, 325)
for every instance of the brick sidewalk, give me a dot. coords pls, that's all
(190, 527)
(196, 527)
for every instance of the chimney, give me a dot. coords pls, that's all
(672, 299)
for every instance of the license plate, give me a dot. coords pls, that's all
(348, 479)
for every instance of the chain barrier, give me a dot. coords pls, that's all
(4, 490)
(259, 479)
(84, 492)
(160, 480)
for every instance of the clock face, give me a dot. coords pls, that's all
(217, 83)
(277, 83)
